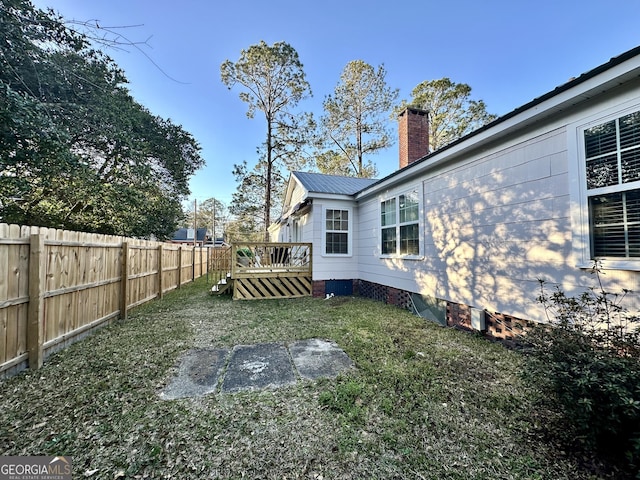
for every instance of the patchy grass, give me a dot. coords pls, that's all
(424, 401)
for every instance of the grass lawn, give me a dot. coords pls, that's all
(424, 401)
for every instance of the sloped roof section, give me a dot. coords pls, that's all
(187, 234)
(335, 184)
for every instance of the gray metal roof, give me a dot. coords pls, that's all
(321, 183)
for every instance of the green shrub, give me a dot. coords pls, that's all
(244, 252)
(587, 360)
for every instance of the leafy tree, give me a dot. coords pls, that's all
(76, 150)
(274, 83)
(334, 163)
(355, 122)
(452, 113)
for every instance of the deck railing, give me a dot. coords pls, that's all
(219, 263)
(271, 269)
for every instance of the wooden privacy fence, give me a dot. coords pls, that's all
(57, 285)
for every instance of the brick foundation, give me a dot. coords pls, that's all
(317, 290)
(500, 327)
(385, 294)
(505, 327)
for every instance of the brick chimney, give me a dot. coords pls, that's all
(413, 132)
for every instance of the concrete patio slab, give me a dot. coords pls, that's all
(253, 367)
(198, 373)
(315, 358)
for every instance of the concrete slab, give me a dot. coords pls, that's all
(252, 367)
(315, 358)
(198, 373)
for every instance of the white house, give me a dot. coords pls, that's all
(464, 233)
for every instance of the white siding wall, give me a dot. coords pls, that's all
(492, 227)
(284, 233)
(297, 195)
(331, 267)
(493, 223)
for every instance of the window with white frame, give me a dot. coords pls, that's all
(612, 163)
(336, 232)
(400, 224)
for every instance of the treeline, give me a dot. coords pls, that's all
(76, 150)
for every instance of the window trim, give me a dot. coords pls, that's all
(349, 231)
(420, 221)
(582, 242)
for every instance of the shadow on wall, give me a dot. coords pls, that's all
(494, 227)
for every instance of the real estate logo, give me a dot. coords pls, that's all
(35, 468)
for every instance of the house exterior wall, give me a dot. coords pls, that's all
(297, 195)
(497, 212)
(496, 222)
(333, 267)
(298, 228)
(288, 232)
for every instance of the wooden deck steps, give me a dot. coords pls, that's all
(223, 285)
(261, 270)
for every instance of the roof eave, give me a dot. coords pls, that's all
(331, 196)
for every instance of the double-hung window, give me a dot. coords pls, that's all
(336, 232)
(400, 224)
(612, 162)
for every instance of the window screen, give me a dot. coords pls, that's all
(612, 152)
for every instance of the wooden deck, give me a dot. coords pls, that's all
(264, 270)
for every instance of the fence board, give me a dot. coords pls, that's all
(12, 332)
(81, 286)
(3, 336)
(4, 264)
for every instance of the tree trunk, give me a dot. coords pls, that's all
(267, 195)
(359, 146)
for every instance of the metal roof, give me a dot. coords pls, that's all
(335, 184)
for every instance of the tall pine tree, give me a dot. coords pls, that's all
(273, 82)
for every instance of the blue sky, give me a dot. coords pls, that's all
(509, 52)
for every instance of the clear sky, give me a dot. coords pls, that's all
(508, 51)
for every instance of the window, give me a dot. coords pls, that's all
(612, 162)
(400, 224)
(336, 232)
(388, 222)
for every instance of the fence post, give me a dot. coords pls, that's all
(124, 281)
(179, 266)
(160, 268)
(35, 323)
